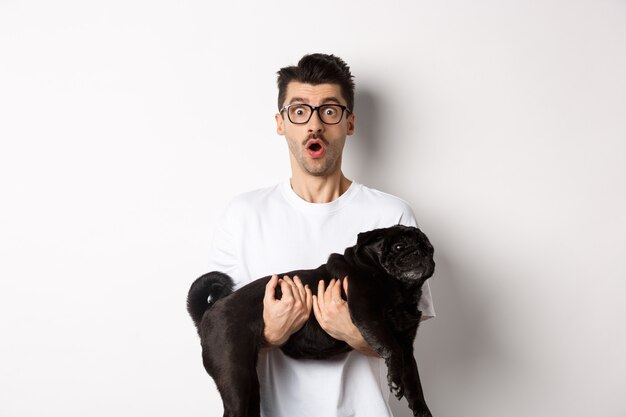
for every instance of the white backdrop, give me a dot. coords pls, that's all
(126, 126)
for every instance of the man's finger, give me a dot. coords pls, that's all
(345, 285)
(336, 294)
(328, 296)
(308, 298)
(270, 289)
(293, 287)
(285, 287)
(321, 288)
(300, 288)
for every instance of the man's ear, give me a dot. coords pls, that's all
(280, 124)
(351, 118)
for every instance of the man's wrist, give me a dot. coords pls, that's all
(358, 343)
(271, 340)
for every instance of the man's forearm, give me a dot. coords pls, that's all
(359, 344)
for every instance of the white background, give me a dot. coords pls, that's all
(126, 126)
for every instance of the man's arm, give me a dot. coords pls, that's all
(333, 315)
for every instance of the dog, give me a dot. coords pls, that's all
(386, 268)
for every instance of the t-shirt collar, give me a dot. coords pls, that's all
(301, 204)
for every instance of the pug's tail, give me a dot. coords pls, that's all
(205, 291)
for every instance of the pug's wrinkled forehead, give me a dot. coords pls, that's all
(396, 235)
(406, 236)
(387, 235)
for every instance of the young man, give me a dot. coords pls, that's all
(296, 224)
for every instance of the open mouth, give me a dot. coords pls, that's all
(315, 148)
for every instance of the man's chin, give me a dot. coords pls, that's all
(321, 170)
(318, 167)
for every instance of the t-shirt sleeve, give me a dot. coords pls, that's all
(223, 252)
(425, 304)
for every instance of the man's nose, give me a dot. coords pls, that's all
(315, 123)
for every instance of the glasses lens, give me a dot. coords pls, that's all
(330, 114)
(299, 113)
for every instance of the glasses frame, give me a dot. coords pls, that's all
(313, 110)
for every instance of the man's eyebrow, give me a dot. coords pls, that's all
(331, 100)
(298, 100)
(324, 101)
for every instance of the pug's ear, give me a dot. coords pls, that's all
(368, 238)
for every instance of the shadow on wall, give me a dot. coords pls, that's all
(363, 153)
(453, 349)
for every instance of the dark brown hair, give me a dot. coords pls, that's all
(318, 69)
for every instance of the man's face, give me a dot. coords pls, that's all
(315, 147)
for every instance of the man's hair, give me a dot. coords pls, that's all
(318, 69)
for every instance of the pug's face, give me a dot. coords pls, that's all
(403, 252)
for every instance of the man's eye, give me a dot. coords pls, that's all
(298, 111)
(330, 111)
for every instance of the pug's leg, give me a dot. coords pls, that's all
(254, 407)
(372, 322)
(395, 371)
(238, 385)
(230, 358)
(377, 334)
(413, 387)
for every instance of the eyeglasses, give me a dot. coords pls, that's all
(300, 113)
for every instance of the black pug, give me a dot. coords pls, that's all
(386, 268)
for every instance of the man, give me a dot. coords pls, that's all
(296, 225)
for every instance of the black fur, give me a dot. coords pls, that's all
(386, 269)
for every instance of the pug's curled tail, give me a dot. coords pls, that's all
(205, 291)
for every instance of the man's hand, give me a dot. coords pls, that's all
(333, 315)
(286, 316)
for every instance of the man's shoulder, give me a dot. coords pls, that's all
(383, 199)
(386, 209)
(254, 198)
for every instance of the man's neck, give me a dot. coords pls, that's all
(320, 189)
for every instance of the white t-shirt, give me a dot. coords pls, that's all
(272, 231)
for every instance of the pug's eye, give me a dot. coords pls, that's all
(398, 246)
